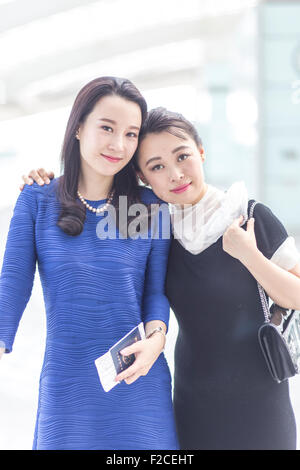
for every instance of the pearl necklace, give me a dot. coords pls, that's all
(93, 209)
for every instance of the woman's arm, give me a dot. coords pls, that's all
(18, 269)
(155, 309)
(282, 286)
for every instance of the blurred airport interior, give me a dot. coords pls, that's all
(232, 67)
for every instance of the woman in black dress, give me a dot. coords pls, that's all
(224, 396)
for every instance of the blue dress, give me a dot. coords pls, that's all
(95, 291)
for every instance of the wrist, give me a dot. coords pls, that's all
(250, 257)
(158, 336)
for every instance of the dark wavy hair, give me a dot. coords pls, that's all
(162, 120)
(73, 212)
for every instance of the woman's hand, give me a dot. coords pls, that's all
(40, 176)
(240, 243)
(146, 352)
(282, 286)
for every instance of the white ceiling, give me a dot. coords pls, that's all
(48, 50)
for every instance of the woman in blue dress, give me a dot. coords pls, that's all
(95, 290)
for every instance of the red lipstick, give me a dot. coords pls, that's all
(111, 159)
(180, 189)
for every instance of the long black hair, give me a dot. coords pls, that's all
(73, 212)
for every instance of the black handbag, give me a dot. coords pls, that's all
(279, 336)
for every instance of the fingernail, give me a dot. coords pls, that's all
(47, 181)
(41, 182)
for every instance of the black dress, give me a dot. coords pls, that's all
(224, 396)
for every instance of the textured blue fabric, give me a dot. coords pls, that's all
(94, 294)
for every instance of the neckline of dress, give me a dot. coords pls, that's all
(94, 204)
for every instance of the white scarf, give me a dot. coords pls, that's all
(200, 225)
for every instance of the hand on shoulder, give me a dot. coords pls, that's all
(40, 176)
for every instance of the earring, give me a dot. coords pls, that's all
(144, 181)
(77, 135)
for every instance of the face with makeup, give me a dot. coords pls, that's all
(108, 137)
(173, 166)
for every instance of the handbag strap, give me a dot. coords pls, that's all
(261, 291)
